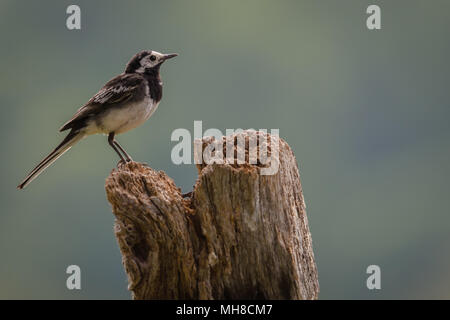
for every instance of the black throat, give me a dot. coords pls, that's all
(154, 83)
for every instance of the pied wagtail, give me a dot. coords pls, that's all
(124, 103)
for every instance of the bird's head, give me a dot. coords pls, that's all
(146, 61)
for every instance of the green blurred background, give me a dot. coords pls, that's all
(366, 113)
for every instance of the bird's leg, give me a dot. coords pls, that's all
(124, 152)
(111, 143)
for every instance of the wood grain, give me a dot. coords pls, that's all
(242, 234)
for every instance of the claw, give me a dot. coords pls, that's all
(187, 194)
(121, 163)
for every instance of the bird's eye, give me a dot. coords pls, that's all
(152, 58)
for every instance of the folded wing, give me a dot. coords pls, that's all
(118, 90)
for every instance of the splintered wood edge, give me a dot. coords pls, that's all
(132, 183)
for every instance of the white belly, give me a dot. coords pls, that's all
(121, 120)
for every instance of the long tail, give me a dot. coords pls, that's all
(72, 138)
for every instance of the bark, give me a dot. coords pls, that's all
(241, 235)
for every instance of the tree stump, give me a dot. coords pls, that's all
(241, 235)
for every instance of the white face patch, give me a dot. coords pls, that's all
(150, 61)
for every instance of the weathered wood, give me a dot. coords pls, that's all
(242, 235)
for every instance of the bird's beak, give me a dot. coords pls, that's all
(169, 56)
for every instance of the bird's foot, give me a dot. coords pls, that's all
(121, 163)
(187, 194)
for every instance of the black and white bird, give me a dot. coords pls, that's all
(124, 103)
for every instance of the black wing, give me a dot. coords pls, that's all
(120, 89)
